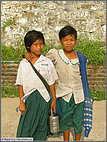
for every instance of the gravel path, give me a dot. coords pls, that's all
(10, 118)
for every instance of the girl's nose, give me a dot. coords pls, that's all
(39, 46)
(69, 42)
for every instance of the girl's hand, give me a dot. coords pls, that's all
(28, 56)
(53, 105)
(22, 107)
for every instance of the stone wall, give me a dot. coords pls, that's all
(18, 17)
(96, 75)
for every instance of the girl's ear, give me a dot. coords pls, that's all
(28, 47)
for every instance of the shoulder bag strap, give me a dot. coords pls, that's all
(42, 79)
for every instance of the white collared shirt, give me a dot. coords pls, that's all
(69, 78)
(30, 81)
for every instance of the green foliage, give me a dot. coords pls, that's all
(97, 95)
(78, 8)
(12, 54)
(10, 92)
(45, 49)
(7, 23)
(93, 51)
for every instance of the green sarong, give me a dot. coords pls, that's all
(34, 122)
(71, 115)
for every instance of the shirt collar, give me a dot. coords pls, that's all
(63, 56)
(65, 59)
(40, 59)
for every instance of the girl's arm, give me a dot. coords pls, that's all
(22, 106)
(53, 104)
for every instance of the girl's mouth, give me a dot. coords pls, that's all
(68, 46)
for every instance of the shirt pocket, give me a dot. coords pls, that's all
(76, 69)
(44, 72)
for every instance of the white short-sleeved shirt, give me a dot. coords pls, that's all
(30, 81)
(69, 78)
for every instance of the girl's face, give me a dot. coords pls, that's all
(36, 48)
(68, 42)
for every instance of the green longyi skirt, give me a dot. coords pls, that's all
(71, 115)
(34, 122)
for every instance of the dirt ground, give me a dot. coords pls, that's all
(10, 119)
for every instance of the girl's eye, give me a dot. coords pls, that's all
(36, 44)
(72, 39)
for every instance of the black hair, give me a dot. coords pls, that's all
(31, 37)
(67, 30)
